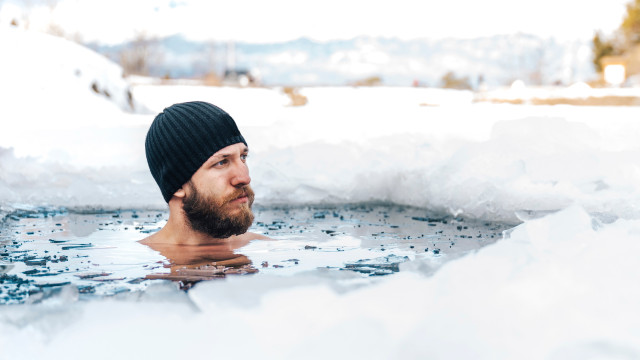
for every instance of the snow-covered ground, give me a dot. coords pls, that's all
(560, 286)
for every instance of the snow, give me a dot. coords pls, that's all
(561, 285)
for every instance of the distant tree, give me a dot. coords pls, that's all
(631, 23)
(451, 81)
(29, 7)
(139, 54)
(628, 35)
(602, 48)
(205, 66)
(537, 73)
(53, 28)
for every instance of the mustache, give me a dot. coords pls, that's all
(240, 192)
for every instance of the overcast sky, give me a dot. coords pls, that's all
(112, 21)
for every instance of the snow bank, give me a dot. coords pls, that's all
(351, 145)
(57, 73)
(67, 117)
(519, 92)
(65, 145)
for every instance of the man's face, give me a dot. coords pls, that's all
(218, 197)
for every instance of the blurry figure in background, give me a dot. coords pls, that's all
(198, 158)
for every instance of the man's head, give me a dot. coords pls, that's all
(197, 155)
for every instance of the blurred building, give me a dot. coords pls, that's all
(233, 75)
(239, 77)
(617, 69)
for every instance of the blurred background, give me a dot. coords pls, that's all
(469, 88)
(459, 44)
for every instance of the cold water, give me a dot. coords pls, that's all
(43, 251)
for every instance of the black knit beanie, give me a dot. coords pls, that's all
(182, 138)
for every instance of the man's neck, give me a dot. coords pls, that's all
(177, 231)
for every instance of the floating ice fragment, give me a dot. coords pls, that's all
(92, 275)
(36, 262)
(4, 268)
(388, 263)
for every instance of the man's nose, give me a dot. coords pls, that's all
(240, 176)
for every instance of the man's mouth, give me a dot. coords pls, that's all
(242, 198)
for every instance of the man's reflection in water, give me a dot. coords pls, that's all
(190, 264)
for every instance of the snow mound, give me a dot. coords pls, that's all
(59, 73)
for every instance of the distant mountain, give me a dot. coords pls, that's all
(495, 60)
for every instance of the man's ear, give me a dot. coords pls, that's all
(181, 193)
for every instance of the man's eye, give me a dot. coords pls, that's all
(244, 157)
(220, 163)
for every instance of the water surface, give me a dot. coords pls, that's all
(43, 251)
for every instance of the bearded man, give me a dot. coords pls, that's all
(198, 158)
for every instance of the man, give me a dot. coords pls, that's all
(198, 158)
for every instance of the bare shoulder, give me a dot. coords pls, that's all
(253, 236)
(161, 238)
(151, 239)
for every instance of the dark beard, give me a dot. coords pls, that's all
(208, 216)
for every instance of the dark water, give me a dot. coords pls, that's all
(43, 251)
